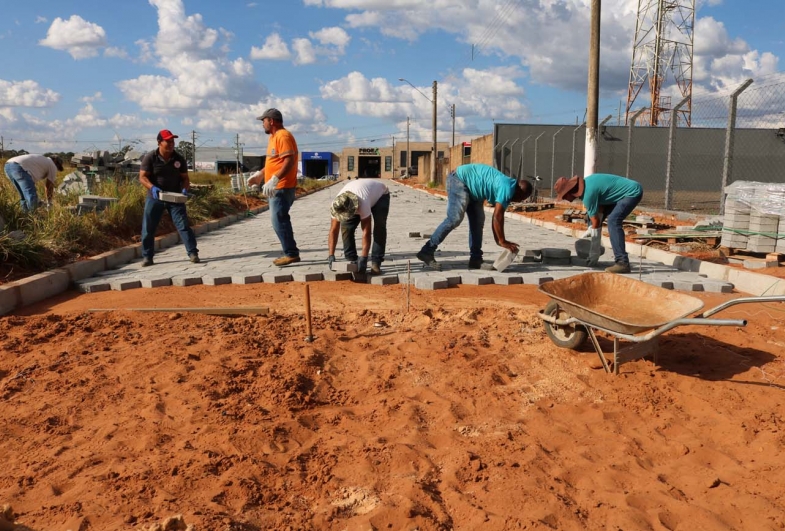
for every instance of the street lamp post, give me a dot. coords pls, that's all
(434, 152)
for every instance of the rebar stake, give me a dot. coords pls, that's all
(408, 283)
(309, 337)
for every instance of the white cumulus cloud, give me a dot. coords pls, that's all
(26, 93)
(78, 37)
(274, 49)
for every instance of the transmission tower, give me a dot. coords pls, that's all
(662, 58)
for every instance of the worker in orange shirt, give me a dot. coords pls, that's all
(280, 181)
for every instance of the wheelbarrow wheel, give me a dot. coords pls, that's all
(569, 336)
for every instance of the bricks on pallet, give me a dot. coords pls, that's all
(761, 244)
(760, 264)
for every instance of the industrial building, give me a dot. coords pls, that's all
(225, 160)
(387, 162)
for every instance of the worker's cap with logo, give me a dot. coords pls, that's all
(345, 206)
(272, 114)
(166, 134)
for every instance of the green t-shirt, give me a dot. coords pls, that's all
(607, 189)
(487, 183)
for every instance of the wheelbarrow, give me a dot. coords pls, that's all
(626, 309)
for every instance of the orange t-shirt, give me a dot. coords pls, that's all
(280, 146)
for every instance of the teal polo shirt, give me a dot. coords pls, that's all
(607, 189)
(487, 183)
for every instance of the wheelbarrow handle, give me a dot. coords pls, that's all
(743, 300)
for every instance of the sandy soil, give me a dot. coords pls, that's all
(458, 414)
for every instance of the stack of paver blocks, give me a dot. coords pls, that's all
(780, 247)
(737, 218)
(766, 226)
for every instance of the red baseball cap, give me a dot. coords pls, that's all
(166, 134)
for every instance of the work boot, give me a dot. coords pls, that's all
(429, 260)
(618, 268)
(194, 258)
(147, 262)
(376, 268)
(475, 263)
(286, 260)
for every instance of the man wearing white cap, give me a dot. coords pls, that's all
(366, 203)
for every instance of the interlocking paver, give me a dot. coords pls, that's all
(243, 252)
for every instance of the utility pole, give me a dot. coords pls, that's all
(452, 115)
(593, 92)
(237, 152)
(193, 149)
(408, 153)
(393, 156)
(435, 152)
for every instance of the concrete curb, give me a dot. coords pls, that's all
(36, 288)
(745, 281)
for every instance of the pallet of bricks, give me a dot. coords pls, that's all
(754, 222)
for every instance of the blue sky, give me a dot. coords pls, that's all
(89, 74)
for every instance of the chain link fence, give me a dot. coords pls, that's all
(718, 139)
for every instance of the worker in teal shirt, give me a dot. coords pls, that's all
(468, 187)
(604, 193)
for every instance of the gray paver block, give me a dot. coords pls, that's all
(307, 276)
(345, 267)
(687, 285)
(760, 264)
(507, 280)
(276, 278)
(476, 280)
(333, 276)
(718, 287)
(659, 282)
(431, 283)
(93, 287)
(246, 279)
(452, 279)
(557, 261)
(156, 282)
(123, 285)
(186, 281)
(414, 235)
(536, 278)
(427, 235)
(214, 280)
(384, 280)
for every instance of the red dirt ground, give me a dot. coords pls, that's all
(458, 414)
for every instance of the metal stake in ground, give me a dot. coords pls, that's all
(408, 283)
(309, 337)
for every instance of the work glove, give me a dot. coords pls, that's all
(155, 192)
(269, 186)
(595, 250)
(253, 176)
(185, 192)
(362, 264)
(330, 261)
(591, 232)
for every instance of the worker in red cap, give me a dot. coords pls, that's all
(165, 170)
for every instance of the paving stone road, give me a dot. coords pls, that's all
(243, 252)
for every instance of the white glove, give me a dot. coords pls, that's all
(269, 186)
(595, 250)
(253, 176)
(591, 232)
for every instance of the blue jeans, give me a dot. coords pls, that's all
(460, 203)
(24, 184)
(621, 210)
(280, 203)
(153, 210)
(379, 213)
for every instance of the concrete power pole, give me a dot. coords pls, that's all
(593, 92)
(452, 115)
(408, 153)
(435, 152)
(193, 149)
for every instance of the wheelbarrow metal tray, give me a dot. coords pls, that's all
(618, 303)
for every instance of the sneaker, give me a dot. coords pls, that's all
(147, 262)
(429, 260)
(618, 268)
(194, 258)
(376, 269)
(286, 260)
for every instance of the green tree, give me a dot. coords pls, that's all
(186, 149)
